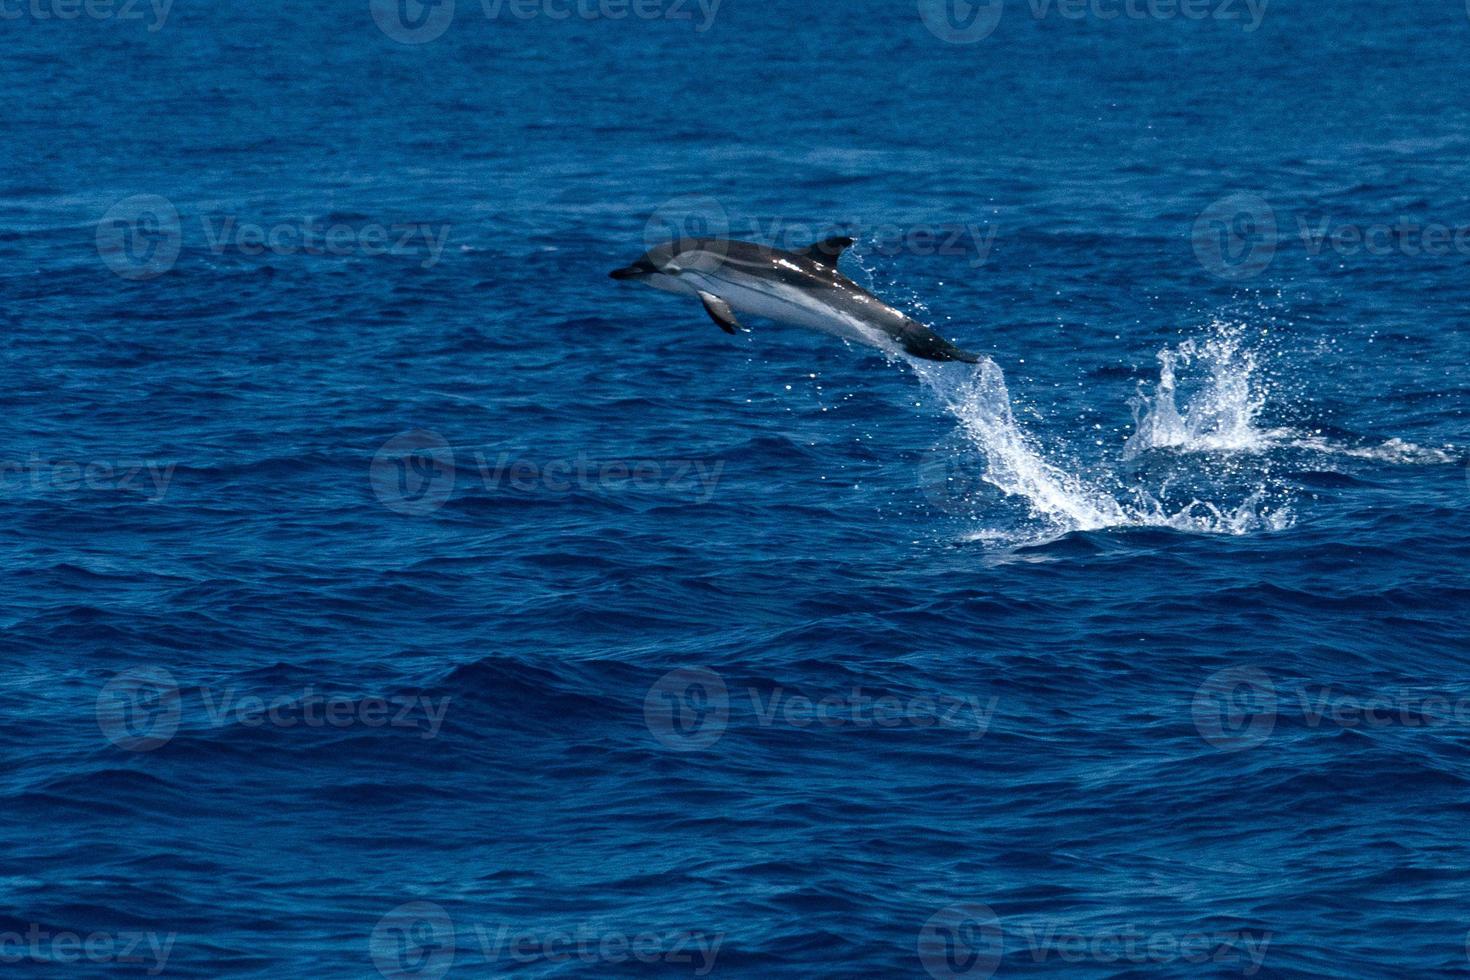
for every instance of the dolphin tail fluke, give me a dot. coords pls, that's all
(965, 356)
(924, 343)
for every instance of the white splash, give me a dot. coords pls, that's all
(978, 398)
(1220, 417)
(1212, 447)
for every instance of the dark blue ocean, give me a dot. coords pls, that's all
(389, 593)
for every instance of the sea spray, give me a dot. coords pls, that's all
(1223, 412)
(978, 398)
(1222, 415)
(1197, 439)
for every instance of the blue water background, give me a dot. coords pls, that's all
(1149, 759)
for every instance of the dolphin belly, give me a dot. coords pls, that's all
(798, 307)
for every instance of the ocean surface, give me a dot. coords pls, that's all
(387, 592)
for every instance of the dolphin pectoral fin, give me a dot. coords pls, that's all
(720, 312)
(827, 251)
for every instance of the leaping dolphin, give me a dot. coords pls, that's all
(801, 287)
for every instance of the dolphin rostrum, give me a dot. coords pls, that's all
(801, 287)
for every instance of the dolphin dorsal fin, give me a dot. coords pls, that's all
(827, 251)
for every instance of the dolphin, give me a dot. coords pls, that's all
(801, 287)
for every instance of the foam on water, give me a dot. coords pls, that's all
(1221, 417)
(1396, 451)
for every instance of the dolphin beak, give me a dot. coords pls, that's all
(631, 272)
